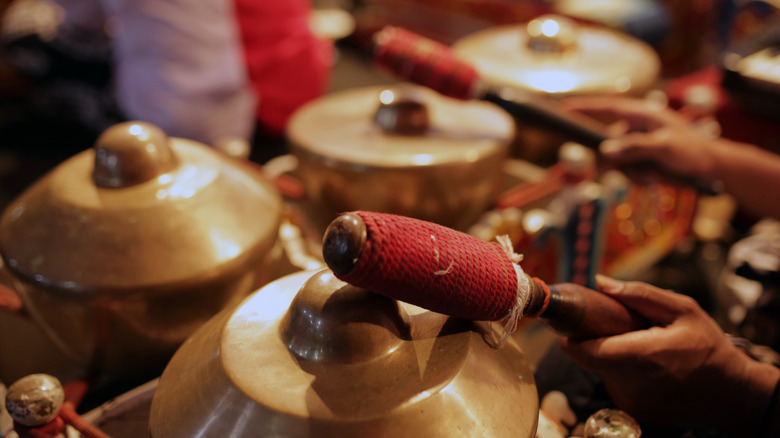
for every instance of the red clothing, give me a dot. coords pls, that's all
(209, 69)
(287, 65)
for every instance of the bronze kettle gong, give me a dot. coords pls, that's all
(125, 249)
(405, 150)
(310, 355)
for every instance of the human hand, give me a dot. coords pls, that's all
(680, 372)
(642, 132)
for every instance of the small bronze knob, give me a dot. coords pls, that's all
(402, 111)
(551, 34)
(34, 400)
(131, 153)
(330, 321)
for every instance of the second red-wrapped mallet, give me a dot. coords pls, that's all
(453, 273)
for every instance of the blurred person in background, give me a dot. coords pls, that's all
(204, 70)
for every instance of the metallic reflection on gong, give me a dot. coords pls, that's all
(309, 355)
(405, 150)
(122, 251)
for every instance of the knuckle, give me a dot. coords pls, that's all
(639, 288)
(686, 303)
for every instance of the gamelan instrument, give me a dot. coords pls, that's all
(392, 351)
(121, 252)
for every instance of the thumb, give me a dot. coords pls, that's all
(636, 146)
(618, 129)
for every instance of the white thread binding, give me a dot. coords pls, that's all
(523, 293)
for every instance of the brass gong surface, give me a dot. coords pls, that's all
(309, 355)
(139, 210)
(404, 150)
(341, 127)
(553, 55)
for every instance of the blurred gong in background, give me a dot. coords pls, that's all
(553, 55)
(405, 150)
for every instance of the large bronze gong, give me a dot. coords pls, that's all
(121, 252)
(310, 355)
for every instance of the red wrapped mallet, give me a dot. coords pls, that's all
(414, 58)
(455, 274)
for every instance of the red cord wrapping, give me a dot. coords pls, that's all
(75, 391)
(424, 62)
(52, 429)
(55, 427)
(86, 429)
(435, 267)
(539, 282)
